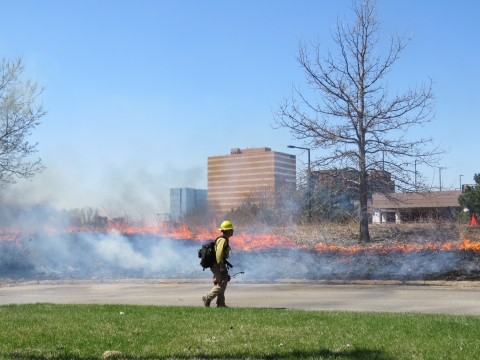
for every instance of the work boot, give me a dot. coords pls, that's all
(206, 302)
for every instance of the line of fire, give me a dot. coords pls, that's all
(288, 225)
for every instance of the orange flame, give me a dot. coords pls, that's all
(243, 241)
(466, 244)
(9, 235)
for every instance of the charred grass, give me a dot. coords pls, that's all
(47, 331)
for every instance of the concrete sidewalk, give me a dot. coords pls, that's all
(353, 297)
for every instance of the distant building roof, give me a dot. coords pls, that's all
(433, 199)
(236, 151)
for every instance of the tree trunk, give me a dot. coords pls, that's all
(364, 233)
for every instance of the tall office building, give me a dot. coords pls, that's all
(254, 175)
(186, 200)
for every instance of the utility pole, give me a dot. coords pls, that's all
(309, 182)
(440, 176)
(461, 182)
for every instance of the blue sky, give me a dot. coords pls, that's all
(140, 93)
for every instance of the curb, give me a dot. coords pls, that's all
(176, 282)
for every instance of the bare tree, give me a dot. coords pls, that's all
(364, 128)
(19, 115)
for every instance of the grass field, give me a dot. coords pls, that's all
(46, 331)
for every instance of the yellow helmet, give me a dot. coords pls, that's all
(226, 225)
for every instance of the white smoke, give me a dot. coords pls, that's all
(40, 255)
(134, 190)
(114, 255)
(109, 256)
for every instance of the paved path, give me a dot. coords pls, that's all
(385, 298)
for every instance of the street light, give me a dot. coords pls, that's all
(309, 181)
(461, 182)
(415, 175)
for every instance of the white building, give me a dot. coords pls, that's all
(186, 200)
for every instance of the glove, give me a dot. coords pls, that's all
(223, 269)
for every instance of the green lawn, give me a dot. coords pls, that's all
(46, 331)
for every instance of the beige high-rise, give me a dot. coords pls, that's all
(255, 175)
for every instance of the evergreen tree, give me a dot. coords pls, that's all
(471, 197)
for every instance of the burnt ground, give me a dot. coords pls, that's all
(103, 257)
(455, 265)
(372, 263)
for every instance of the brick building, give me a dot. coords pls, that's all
(379, 181)
(255, 175)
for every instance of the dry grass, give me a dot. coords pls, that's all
(381, 234)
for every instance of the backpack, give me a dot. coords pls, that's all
(207, 254)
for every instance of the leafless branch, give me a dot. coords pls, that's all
(355, 118)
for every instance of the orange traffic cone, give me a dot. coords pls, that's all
(473, 221)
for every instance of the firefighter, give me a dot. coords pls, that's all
(219, 269)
